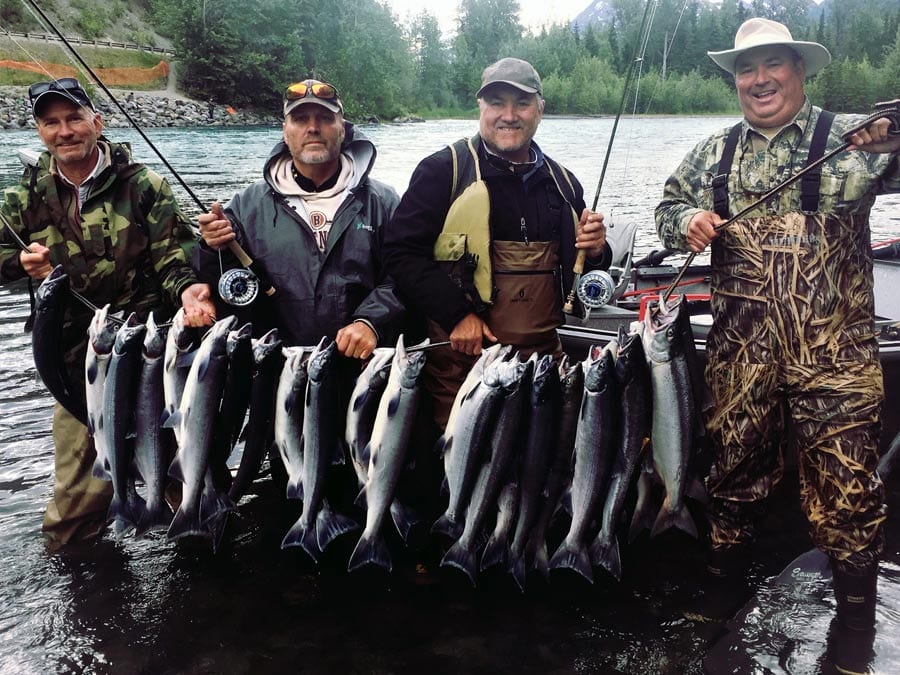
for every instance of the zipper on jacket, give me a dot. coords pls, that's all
(524, 230)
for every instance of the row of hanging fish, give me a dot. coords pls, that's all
(524, 438)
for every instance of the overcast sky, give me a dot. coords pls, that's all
(534, 13)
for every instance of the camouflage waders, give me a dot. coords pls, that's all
(793, 336)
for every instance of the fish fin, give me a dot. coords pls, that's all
(462, 559)
(172, 420)
(565, 501)
(213, 504)
(370, 551)
(604, 553)
(447, 526)
(331, 525)
(696, 491)
(100, 469)
(361, 500)
(186, 524)
(393, 405)
(573, 557)
(185, 359)
(294, 488)
(175, 470)
(365, 455)
(680, 519)
(496, 552)
(154, 519)
(337, 455)
(298, 535)
(442, 447)
(404, 518)
(517, 569)
(202, 367)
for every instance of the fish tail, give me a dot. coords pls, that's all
(604, 553)
(447, 526)
(680, 518)
(214, 504)
(156, 517)
(330, 526)
(574, 557)
(404, 518)
(496, 552)
(641, 519)
(370, 551)
(185, 524)
(542, 559)
(462, 559)
(305, 538)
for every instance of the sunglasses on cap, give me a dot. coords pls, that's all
(63, 84)
(321, 90)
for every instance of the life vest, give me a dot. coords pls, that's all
(463, 248)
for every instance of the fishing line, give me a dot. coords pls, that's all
(243, 284)
(581, 255)
(889, 109)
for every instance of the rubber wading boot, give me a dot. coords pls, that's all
(725, 587)
(848, 651)
(854, 590)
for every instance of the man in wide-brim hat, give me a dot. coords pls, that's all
(793, 341)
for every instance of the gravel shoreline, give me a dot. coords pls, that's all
(147, 109)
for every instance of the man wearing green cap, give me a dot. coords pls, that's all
(485, 238)
(793, 339)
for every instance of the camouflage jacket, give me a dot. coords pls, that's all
(850, 180)
(124, 247)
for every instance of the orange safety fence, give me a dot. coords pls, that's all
(109, 76)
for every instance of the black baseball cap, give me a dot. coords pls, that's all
(68, 88)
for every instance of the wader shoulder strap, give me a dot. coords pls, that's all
(720, 182)
(811, 182)
(466, 168)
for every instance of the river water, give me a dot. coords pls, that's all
(151, 606)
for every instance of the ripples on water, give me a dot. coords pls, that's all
(155, 607)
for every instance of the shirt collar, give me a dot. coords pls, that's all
(800, 122)
(98, 168)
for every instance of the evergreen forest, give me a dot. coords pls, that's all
(243, 52)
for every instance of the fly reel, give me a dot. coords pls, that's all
(238, 286)
(595, 289)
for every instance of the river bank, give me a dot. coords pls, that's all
(147, 109)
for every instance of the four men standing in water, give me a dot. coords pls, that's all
(483, 244)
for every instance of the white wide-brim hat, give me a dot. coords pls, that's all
(762, 33)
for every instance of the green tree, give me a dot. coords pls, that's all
(432, 59)
(486, 30)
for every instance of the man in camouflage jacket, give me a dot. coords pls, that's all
(793, 308)
(117, 231)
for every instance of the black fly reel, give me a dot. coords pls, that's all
(238, 286)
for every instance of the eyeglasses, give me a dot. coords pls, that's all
(66, 84)
(321, 90)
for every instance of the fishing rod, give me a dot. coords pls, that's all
(888, 109)
(595, 288)
(72, 292)
(238, 286)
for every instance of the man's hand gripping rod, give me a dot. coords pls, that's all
(888, 109)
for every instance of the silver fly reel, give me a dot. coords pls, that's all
(238, 286)
(595, 289)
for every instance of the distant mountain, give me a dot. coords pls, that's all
(598, 12)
